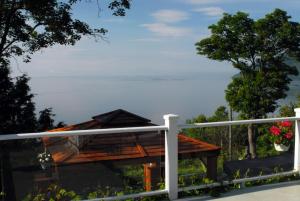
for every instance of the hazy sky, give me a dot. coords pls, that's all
(156, 37)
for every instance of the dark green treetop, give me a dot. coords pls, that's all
(16, 105)
(258, 49)
(287, 110)
(27, 26)
(45, 120)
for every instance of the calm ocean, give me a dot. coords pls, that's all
(77, 99)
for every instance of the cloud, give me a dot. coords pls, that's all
(121, 20)
(146, 40)
(170, 16)
(176, 54)
(165, 30)
(210, 11)
(201, 2)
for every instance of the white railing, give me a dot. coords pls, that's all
(296, 169)
(171, 129)
(81, 132)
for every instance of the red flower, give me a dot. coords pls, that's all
(275, 130)
(286, 124)
(289, 135)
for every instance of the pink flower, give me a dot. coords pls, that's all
(275, 130)
(289, 135)
(286, 124)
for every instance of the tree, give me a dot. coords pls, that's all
(213, 135)
(221, 114)
(258, 49)
(27, 26)
(16, 105)
(16, 116)
(45, 120)
(287, 110)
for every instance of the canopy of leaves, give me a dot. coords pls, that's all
(27, 26)
(287, 110)
(16, 105)
(45, 120)
(259, 50)
(221, 114)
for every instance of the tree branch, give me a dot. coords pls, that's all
(6, 27)
(8, 45)
(13, 41)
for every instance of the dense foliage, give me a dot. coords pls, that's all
(220, 135)
(259, 50)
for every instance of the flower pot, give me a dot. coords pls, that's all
(45, 166)
(281, 147)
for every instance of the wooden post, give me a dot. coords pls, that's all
(171, 155)
(297, 142)
(151, 175)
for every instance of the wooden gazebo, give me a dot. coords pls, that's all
(145, 148)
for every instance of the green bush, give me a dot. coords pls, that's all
(53, 193)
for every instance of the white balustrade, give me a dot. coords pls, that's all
(297, 142)
(172, 129)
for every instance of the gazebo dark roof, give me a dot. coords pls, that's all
(114, 119)
(120, 116)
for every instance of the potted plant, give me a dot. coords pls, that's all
(281, 135)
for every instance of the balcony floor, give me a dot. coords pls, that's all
(289, 191)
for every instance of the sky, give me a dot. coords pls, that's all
(156, 37)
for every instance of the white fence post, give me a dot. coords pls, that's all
(297, 142)
(171, 155)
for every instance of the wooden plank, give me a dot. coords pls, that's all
(186, 138)
(141, 150)
(107, 158)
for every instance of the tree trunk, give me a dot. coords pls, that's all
(252, 141)
(8, 183)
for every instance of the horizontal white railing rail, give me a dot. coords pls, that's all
(172, 128)
(238, 122)
(238, 181)
(82, 132)
(130, 196)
